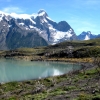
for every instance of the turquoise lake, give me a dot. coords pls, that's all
(16, 70)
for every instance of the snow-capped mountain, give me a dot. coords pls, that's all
(23, 30)
(86, 36)
(98, 36)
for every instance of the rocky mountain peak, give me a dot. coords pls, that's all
(88, 32)
(86, 35)
(24, 30)
(42, 12)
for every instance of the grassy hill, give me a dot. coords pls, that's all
(79, 85)
(67, 49)
(74, 49)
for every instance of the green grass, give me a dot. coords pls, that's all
(89, 48)
(64, 85)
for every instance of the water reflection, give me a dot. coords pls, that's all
(12, 70)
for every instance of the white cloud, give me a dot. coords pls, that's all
(12, 10)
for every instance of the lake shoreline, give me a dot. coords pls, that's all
(42, 58)
(67, 86)
(60, 85)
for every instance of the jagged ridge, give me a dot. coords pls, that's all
(13, 27)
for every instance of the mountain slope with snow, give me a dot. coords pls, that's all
(16, 27)
(86, 36)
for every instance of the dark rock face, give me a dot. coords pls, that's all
(32, 39)
(98, 36)
(4, 29)
(63, 26)
(34, 31)
(13, 36)
(44, 23)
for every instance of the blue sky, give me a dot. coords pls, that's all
(82, 15)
